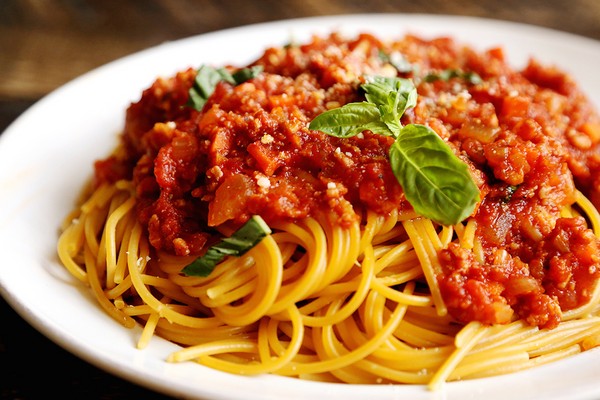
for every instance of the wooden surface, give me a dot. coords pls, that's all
(46, 43)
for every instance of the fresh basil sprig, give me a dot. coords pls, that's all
(242, 240)
(435, 181)
(208, 77)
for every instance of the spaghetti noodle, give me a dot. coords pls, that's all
(352, 285)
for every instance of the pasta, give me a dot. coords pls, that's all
(343, 290)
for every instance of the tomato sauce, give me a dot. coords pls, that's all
(529, 137)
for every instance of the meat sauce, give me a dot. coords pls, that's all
(530, 139)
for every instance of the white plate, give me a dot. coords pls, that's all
(47, 154)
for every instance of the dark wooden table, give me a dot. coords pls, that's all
(46, 43)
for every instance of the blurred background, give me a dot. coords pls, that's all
(46, 43)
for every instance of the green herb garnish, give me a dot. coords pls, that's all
(242, 240)
(435, 181)
(471, 77)
(398, 61)
(208, 77)
(244, 74)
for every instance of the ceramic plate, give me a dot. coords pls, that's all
(47, 153)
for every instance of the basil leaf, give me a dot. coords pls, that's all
(398, 61)
(398, 93)
(350, 120)
(392, 96)
(435, 182)
(390, 119)
(242, 240)
(245, 74)
(208, 77)
(471, 77)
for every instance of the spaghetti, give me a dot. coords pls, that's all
(352, 285)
